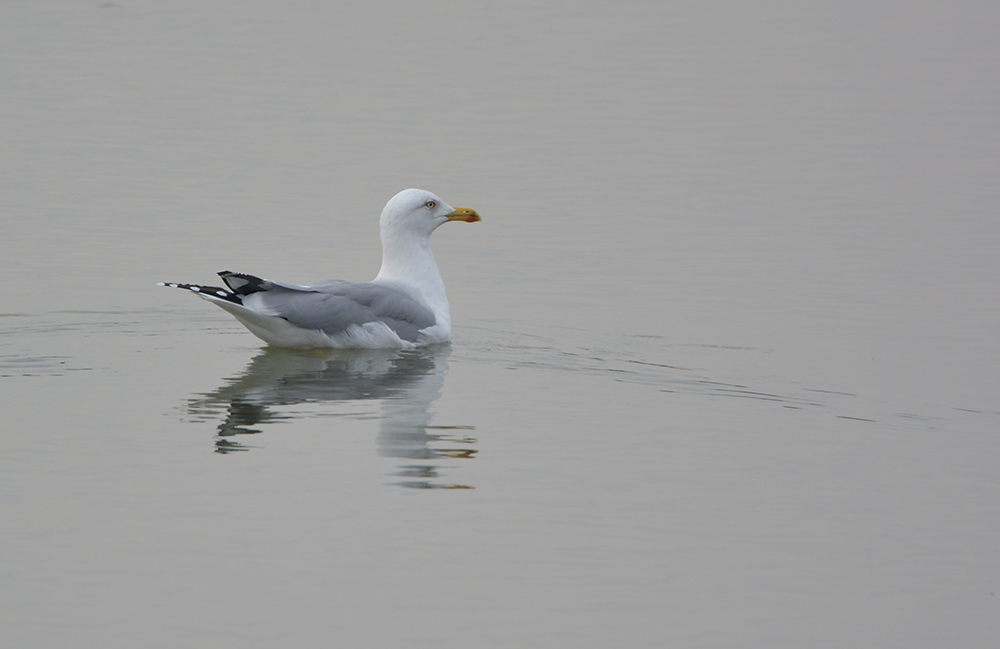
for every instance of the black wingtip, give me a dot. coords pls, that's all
(210, 291)
(241, 283)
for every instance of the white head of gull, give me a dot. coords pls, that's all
(404, 306)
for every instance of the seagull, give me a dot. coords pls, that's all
(405, 305)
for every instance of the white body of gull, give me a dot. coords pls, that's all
(404, 306)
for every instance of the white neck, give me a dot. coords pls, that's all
(410, 261)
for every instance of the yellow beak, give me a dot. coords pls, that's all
(466, 214)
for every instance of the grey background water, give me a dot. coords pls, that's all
(724, 369)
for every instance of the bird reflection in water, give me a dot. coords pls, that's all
(403, 383)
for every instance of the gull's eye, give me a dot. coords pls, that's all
(430, 205)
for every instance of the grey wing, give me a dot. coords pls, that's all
(333, 306)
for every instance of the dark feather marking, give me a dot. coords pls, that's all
(214, 291)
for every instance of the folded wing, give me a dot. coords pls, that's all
(333, 306)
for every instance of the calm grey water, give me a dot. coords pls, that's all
(724, 370)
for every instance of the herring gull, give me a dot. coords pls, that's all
(404, 306)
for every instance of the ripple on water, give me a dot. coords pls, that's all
(37, 366)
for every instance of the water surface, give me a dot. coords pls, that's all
(724, 357)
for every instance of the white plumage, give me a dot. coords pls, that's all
(404, 306)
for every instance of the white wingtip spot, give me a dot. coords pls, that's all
(221, 293)
(196, 289)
